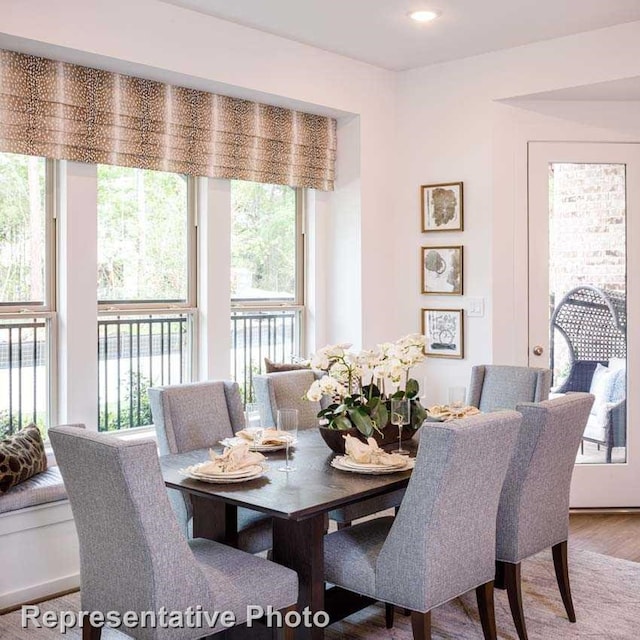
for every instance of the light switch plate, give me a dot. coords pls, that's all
(475, 307)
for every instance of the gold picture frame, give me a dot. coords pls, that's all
(442, 207)
(444, 333)
(442, 270)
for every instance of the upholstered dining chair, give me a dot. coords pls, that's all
(534, 505)
(494, 387)
(197, 416)
(441, 544)
(133, 556)
(286, 390)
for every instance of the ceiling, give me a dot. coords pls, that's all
(380, 33)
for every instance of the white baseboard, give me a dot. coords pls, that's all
(39, 591)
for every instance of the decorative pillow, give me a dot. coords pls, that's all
(601, 387)
(22, 456)
(275, 367)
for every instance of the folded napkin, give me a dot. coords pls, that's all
(445, 412)
(269, 436)
(232, 459)
(371, 453)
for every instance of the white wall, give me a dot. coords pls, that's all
(452, 126)
(164, 42)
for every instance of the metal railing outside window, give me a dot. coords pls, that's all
(259, 334)
(135, 353)
(24, 367)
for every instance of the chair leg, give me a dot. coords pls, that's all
(484, 594)
(499, 579)
(389, 611)
(421, 625)
(343, 525)
(561, 564)
(285, 632)
(90, 632)
(514, 591)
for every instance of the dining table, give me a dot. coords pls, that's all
(299, 502)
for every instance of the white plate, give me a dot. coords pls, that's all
(349, 462)
(353, 467)
(194, 470)
(234, 442)
(221, 480)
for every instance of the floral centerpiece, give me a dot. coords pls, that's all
(360, 385)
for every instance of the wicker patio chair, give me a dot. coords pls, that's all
(593, 322)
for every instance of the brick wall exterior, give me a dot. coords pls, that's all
(587, 233)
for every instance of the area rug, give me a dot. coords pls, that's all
(606, 594)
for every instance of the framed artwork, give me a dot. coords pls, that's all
(442, 270)
(444, 332)
(442, 206)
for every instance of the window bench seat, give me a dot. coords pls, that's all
(38, 541)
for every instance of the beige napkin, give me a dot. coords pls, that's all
(269, 436)
(446, 413)
(371, 453)
(232, 459)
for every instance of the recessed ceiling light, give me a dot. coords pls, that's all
(423, 15)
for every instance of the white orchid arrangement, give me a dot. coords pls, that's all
(357, 383)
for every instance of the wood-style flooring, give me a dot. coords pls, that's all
(616, 535)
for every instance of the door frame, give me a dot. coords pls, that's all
(594, 485)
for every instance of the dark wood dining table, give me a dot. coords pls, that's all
(299, 502)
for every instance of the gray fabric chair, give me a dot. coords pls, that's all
(534, 506)
(132, 554)
(197, 416)
(441, 544)
(286, 390)
(495, 387)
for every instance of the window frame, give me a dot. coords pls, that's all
(238, 306)
(267, 304)
(47, 310)
(154, 308)
(188, 306)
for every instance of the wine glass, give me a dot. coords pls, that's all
(400, 415)
(287, 421)
(253, 421)
(457, 396)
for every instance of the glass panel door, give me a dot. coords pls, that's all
(582, 199)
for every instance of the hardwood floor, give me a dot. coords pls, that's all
(616, 535)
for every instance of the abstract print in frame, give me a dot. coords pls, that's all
(442, 206)
(444, 332)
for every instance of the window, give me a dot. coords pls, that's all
(146, 261)
(26, 291)
(267, 277)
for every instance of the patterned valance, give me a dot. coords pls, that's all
(65, 111)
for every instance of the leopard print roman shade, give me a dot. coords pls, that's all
(68, 112)
(22, 456)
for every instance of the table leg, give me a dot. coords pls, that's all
(215, 520)
(299, 545)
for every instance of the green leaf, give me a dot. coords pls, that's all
(342, 423)
(398, 395)
(380, 416)
(362, 421)
(413, 388)
(418, 414)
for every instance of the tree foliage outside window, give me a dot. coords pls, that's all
(22, 228)
(142, 235)
(263, 241)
